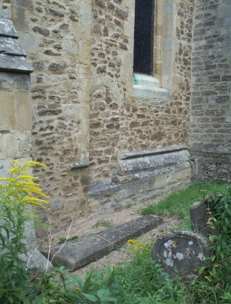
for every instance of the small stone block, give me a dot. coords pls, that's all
(76, 254)
(181, 253)
(199, 214)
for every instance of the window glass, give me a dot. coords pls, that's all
(143, 44)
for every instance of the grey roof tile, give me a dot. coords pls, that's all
(10, 63)
(11, 47)
(7, 28)
(12, 56)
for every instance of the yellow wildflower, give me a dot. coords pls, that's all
(24, 188)
(136, 245)
(27, 177)
(131, 242)
(7, 179)
(34, 164)
(30, 200)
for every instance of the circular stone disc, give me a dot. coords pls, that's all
(181, 253)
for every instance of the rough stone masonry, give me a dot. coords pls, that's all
(107, 145)
(211, 84)
(16, 122)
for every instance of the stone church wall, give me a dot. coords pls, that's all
(15, 99)
(57, 37)
(104, 146)
(128, 132)
(211, 87)
(154, 123)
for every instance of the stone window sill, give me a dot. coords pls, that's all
(148, 88)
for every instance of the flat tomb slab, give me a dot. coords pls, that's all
(181, 253)
(78, 253)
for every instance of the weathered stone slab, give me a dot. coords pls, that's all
(155, 161)
(14, 64)
(36, 261)
(7, 28)
(181, 254)
(199, 214)
(158, 151)
(143, 176)
(11, 47)
(33, 259)
(10, 81)
(76, 254)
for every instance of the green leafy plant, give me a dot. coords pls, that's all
(17, 192)
(62, 288)
(214, 282)
(139, 281)
(142, 281)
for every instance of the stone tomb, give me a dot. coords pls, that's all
(75, 254)
(181, 253)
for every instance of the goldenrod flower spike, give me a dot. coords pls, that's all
(23, 186)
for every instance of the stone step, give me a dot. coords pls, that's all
(75, 254)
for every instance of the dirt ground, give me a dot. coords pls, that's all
(123, 254)
(99, 221)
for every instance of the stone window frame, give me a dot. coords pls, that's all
(159, 86)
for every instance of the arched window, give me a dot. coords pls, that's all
(144, 36)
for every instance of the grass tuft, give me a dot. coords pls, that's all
(179, 203)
